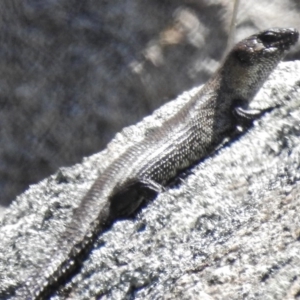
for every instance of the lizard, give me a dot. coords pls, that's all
(146, 168)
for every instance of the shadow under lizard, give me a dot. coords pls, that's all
(188, 136)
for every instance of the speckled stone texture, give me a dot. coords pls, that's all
(229, 230)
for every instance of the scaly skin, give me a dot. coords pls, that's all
(145, 169)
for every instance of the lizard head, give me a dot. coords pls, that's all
(252, 60)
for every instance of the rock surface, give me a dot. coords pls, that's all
(230, 230)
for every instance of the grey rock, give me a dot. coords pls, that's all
(229, 230)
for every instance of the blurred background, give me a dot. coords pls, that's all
(73, 73)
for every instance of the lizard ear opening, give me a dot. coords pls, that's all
(243, 56)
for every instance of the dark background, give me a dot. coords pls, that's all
(73, 73)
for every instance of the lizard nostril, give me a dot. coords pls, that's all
(295, 35)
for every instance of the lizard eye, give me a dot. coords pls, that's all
(269, 38)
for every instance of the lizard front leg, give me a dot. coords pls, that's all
(250, 114)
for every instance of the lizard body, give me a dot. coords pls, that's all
(145, 169)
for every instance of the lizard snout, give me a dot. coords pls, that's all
(281, 38)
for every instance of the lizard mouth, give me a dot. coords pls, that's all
(279, 38)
